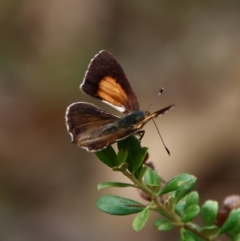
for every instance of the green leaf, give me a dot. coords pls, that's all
(107, 156)
(131, 144)
(235, 236)
(142, 172)
(152, 180)
(231, 221)
(139, 158)
(188, 236)
(176, 182)
(140, 220)
(184, 189)
(190, 213)
(116, 205)
(170, 203)
(180, 207)
(234, 233)
(113, 184)
(192, 198)
(122, 144)
(163, 225)
(210, 231)
(122, 156)
(209, 212)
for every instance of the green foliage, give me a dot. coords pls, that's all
(192, 198)
(210, 231)
(175, 201)
(113, 184)
(190, 213)
(135, 153)
(188, 208)
(122, 156)
(209, 212)
(107, 156)
(186, 235)
(141, 219)
(152, 180)
(179, 182)
(116, 205)
(163, 225)
(232, 221)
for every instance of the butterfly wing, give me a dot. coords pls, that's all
(83, 119)
(106, 80)
(119, 129)
(105, 136)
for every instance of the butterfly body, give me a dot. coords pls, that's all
(93, 128)
(131, 119)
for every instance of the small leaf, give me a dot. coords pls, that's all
(190, 213)
(210, 231)
(152, 180)
(140, 220)
(107, 156)
(188, 236)
(131, 144)
(192, 198)
(113, 184)
(116, 205)
(184, 189)
(231, 221)
(122, 156)
(170, 203)
(139, 158)
(234, 233)
(122, 144)
(142, 172)
(176, 182)
(209, 212)
(180, 207)
(163, 225)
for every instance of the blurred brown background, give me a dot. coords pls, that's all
(191, 48)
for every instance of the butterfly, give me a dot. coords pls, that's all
(93, 128)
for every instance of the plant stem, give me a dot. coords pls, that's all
(151, 194)
(161, 208)
(196, 230)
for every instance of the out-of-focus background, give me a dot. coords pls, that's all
(191, 48)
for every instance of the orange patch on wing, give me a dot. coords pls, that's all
(112, 92)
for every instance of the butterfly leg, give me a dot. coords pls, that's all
(140, 134)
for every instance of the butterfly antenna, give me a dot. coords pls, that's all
(160, 92)
(161, 138)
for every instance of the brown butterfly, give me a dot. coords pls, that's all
(93, 128)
